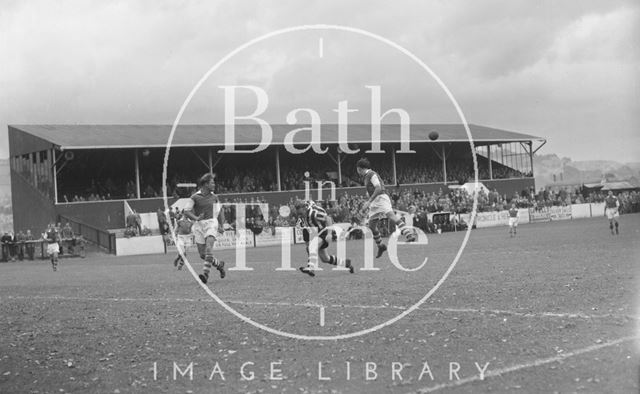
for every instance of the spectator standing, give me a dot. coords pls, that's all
(68, 238)
(20, 238)
(29, 244)
(134, 224)
(6, 246)
(162, 222)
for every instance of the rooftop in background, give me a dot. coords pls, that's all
(149, 136)
(615, 186)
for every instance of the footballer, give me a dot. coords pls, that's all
(379, 205)
(311, 215)
(53, 247)
(183, 233)
(513, 220)
(611, 207)
(205, 228)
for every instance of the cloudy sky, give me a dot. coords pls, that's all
(568, 71)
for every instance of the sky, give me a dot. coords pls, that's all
(566, 71)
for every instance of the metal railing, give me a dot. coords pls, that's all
(103, 238)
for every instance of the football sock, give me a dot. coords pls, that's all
(333, 260)
(210, 261)
(378, 238)
(312, 260)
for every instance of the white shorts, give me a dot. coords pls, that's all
(379, 207)
(513, 222)
(53, 248)
(612, 213)
(184, 241)
(203, 229)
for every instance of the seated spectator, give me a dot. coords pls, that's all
(149, 192)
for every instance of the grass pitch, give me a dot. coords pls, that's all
(553, 309)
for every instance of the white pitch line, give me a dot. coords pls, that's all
(322, 316)
(577, 315)
(518, 367)
(321, 47)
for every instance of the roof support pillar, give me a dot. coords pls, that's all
(137, 168)
(278, 168)
(393, 165)
(55, 175)
(444, 164)
(339, 167)
(490, 163)
(210, 161)
(531, 158)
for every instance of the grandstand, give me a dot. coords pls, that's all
(84, 173)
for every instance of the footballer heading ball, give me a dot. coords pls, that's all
(434, 135)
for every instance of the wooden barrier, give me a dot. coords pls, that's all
(21, 250)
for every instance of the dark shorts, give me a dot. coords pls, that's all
(322, 243)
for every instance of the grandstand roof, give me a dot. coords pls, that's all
(149, 136)
(623, 185)
(619, 185)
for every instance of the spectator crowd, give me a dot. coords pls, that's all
(260, 177)
(347, 207)
(23, 244)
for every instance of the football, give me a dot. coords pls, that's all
(434, 135)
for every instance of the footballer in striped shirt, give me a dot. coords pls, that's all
(311, 215)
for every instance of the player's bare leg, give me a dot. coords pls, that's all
(209, 260)
(404, 230)
(611, 226)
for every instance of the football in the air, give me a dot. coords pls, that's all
(434, 135)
